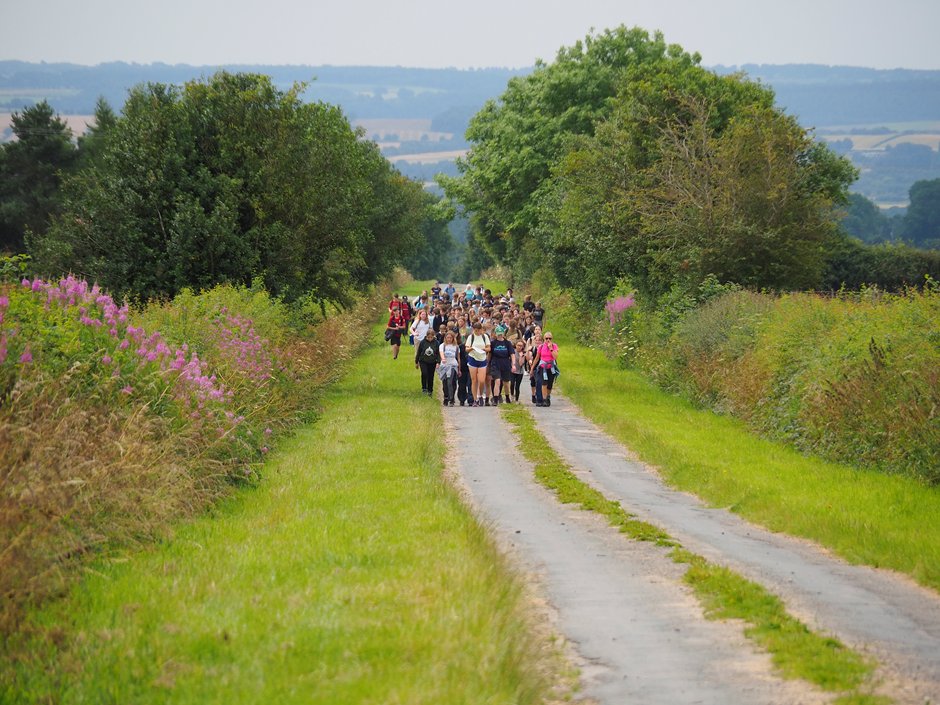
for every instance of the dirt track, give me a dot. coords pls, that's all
(622, 603)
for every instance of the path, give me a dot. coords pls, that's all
(621, 601)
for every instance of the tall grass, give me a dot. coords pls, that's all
(853, 378)
(867, 517)
(114, 422)
(352, 574)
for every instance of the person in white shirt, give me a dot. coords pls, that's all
(420, 326)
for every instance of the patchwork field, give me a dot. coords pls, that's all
(77, 123)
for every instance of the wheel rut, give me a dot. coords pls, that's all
(621, 603)
(877, 612)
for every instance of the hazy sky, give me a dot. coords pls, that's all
(470, 33)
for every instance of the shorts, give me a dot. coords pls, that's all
(395, 339)
(502, 370)
(475, 363)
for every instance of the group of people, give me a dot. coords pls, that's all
(480, 345)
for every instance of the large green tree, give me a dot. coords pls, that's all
(695, 174)
(517, 139)
(31, 170)
(229, 179)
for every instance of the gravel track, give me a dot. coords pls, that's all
(878, 612)
(637, 628)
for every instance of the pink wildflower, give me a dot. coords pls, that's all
(106, 360)
(125, 344)
(4, 301)
(27, 356)
(128, 390)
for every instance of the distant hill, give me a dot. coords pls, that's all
(823, 96)
(843, 103)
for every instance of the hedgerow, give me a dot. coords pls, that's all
(115, 422)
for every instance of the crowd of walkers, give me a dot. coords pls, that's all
(481, 346)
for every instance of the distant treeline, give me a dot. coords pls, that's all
(848, 95)
(452, 95)
(818, 95)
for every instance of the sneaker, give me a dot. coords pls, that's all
(533, 399)
(548, 401)
(507, 399)
(444, 403)
(486, 402)
(495, 401)
(461, 403)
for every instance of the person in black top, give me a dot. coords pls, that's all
(501, 351)
(527, 305)
(427, 358)
(538, 314)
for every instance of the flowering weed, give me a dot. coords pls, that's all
(114, 422)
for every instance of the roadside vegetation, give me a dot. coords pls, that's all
(883, 520)
(853, 377)
(117, 422)
(351, 573)
(797, 651)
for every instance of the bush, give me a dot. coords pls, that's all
(890, 267)
(855, 377)
(114, 423)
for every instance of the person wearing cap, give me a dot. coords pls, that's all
(501, 351)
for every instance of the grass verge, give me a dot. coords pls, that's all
(351, 574)
(797, 652)
(864, 516)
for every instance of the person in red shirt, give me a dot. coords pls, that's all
(406, 310)
(396, 326)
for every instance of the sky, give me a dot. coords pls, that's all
(466, 34)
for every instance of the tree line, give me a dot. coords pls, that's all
(228, 179)
(626, 160)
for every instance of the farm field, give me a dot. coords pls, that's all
(77, 123)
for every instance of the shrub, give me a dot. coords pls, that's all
(852, 377)
(114, 423)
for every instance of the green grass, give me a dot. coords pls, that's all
(351, 574)
(796, 651)
(554, 473)
(864, 516)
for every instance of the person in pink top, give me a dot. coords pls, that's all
(547, 356)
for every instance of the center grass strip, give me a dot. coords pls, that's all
(351, 574)
(796, 651)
